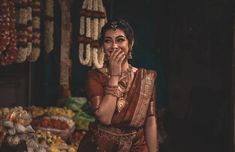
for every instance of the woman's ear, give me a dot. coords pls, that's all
(131, 45)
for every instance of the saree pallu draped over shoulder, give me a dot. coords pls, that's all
(138, 99)
(126, 133)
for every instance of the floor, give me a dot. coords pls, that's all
(182, 136)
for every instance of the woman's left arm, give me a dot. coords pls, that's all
(151, 133)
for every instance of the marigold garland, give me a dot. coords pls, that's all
(8, 49)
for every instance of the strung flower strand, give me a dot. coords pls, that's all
(92, 19)
(22, 28)
(35, 53)
(8, 50)
(49, 26)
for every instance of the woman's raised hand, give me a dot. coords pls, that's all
(115, 62)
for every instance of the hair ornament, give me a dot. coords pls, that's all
(114, 25)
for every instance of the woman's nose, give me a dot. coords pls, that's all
(114, 46)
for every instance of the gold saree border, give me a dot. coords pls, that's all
(146, 90)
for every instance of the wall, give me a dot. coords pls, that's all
(233, 86)
(14, 85)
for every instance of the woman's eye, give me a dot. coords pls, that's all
(107, 41)
(120, 40)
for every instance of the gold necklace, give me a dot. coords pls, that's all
(124, 85)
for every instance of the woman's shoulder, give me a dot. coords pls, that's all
(147, 70)
(97, 72)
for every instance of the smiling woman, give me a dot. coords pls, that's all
(121, 96)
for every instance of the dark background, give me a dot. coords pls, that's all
(188, 42)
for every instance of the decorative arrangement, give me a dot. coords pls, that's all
(49, 26)
(65, 61)
(8, 50)
(45, 129)
(17, 129)
(35, 53)
(28, 30)
(92, 19)
(24, 29)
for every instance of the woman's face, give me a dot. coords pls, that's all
(115, 40)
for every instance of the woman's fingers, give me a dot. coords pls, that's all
(115, 62)
(117, 55)
(121, 57)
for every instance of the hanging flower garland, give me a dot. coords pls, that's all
(66, 29)
(49, 26)
(35, 53)
(82, 37)
(22, 30)
(29, 27)
(92, 19)
(98, 54)
(8, 49)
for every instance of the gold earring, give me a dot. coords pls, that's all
(105, 58)
(130, 55)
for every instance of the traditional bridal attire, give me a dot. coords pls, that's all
(126, 132)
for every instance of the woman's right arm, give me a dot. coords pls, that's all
(107, 104)
(102, 104)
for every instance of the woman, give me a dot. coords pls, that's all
(122, 98)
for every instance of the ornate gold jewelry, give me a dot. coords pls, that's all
(120, 91)
(124, 84)
(121, 104)
(129, 55)
(114, 91)
(114, 25)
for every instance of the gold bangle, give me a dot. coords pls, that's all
(114, 91)
(115, 75)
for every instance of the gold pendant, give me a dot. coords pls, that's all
(120, 104)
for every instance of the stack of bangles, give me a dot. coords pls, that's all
(114, 91)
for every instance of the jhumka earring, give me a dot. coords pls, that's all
(105, 58)
(130, 54)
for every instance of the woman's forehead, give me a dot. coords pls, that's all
(114, 33)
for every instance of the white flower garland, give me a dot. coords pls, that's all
(23, 33)
(22, 54)
(91, 30)
(35, 53)
(95, 20)
(82, 25)
(81, 52)
(29, 28)
(84, 28)
(98, 59)
(49, 26)
(66, 28)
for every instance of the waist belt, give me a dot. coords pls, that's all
(117, 131)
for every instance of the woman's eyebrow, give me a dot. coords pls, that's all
(108, 37)
(121, 36)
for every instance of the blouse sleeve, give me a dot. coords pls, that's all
(94, 88)
(152, 103)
